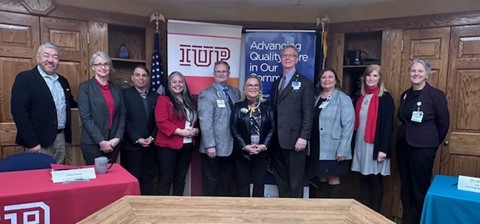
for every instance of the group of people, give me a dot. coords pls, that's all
(304, 131)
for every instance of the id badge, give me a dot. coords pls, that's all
(417, 116)
(296, 85)
(221, 104)
(323, 104)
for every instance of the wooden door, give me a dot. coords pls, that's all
(431, 44)
(462, 153)
(19, 40)
(71, 37)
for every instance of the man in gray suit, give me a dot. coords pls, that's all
(214, 108)
(292, 98)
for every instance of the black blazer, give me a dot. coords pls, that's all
(33, 109)
(293, 111)
(384, 129)
(138, 125)
(240, 125)
(431, 132)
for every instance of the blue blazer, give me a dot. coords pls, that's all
(431, 132)
(33, 109)
(336, 127)
(94, 113)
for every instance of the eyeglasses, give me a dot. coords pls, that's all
(253, 86)
(289, 56)
(105, 65)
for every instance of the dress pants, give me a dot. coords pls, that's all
(251, 168)
(415, 166)
(217, 175)
(172, 168)
(289, 172)
(140, 162)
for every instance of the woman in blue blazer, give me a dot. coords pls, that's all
(330, 143)
(102, 112)
(424, 115)
(252, 126)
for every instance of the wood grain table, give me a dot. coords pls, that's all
(172, 209)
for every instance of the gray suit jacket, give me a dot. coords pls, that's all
(336, 127)
(293, 110)
(215, 121)
(94, 113)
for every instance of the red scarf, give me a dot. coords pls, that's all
(371, 114)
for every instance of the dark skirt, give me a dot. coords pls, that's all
(326, 168)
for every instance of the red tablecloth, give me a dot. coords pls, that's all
(32, 195)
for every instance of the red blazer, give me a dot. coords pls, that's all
(167, 123)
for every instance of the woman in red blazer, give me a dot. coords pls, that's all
(176, 117)
(425, 120)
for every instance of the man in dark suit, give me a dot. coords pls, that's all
(293, 101)
(137, 155)
(41, 101)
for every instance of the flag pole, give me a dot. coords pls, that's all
(322, 20)
(157, 17)
(157, 76)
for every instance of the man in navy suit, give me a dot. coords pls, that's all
(293, 102)
(41, 101)
(138, 155)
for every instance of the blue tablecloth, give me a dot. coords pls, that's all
(444, 203)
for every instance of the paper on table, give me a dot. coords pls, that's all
(467, 183)
(73, 175)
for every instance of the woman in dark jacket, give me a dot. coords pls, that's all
(252, 126)
(373, 125)
(425, 120)
(102, 112)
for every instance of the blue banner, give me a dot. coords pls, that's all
(263, 49)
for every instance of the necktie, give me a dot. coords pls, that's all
(282, 84)
(228, 97)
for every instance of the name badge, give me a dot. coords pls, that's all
(296, 85)
(221, 104)
(323, 104)
(417, 116)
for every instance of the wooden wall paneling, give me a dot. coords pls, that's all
(9, 68)
(18, 40)
(391, 73)
(463, 93)
(414, 22)
(98, 38)
(335, 53)
(10, 150)
(18, 35)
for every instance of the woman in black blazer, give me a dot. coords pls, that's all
(424, 115)
(373, 125)
(252, 126)
(102, 112)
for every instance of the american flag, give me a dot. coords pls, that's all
(157, 71)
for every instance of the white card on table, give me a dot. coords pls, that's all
(467, 183)
(73, 175)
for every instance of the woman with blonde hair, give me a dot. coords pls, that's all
(373, 125)
(252, 126)
(102, 112)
